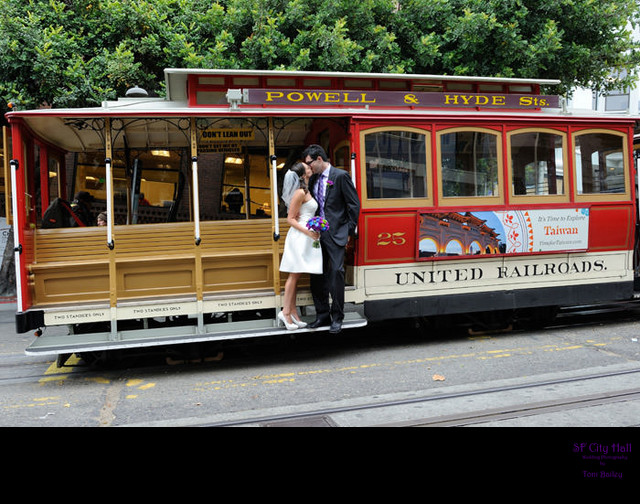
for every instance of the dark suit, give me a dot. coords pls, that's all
(341, 209)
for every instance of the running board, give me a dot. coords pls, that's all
(139, 338)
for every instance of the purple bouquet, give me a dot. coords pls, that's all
(319, 225)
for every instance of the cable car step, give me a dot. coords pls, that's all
(55, 344)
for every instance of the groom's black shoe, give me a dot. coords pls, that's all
(336, 327)
(319, 322)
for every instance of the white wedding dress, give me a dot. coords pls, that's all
(300, 256)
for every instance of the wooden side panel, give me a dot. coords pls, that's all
(155, 277)
(237, 272)
(72, 265)
(70, 283)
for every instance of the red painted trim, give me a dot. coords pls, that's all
(19, 221)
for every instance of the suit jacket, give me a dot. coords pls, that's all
(341, 205)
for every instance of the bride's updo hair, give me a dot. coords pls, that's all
(293, 180)
(300, 170)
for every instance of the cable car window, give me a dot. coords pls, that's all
(537, 164)
(246, 191)
(469, 161)
(90, 177)
(54, 178)
(149, 191)
(396, 164)
(599, 163)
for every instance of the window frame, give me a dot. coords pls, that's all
(447, 201)
(597, 197)
(426, 201)
(541, 198)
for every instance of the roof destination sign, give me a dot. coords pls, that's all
(452, 99)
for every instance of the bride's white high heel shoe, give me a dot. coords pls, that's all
(298, 322)
(290, 327)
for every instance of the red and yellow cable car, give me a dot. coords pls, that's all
(478, 196)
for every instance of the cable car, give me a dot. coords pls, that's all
(479, 196)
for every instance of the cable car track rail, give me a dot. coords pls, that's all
(508, 413)
(323, 416)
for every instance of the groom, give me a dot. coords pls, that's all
(338, 203)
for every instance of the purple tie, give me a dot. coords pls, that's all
(320, 195)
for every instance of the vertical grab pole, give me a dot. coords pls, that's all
(113, 295)
(275, 219)
(353, 178)
(17, 246)
(353, 174)
(113, 286)
(274, 182)
(353, 168)
(274, 203)
(196, 218)
(194, 177)
(196, 199)
(109, 181)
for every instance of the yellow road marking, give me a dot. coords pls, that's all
(292, 376)
(54, 369)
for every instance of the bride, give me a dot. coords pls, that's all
(299, 256)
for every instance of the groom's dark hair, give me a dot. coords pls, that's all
(313, 151)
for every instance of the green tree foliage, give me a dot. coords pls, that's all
(80, 52)
(580, 42)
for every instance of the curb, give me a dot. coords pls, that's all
(8, 303)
